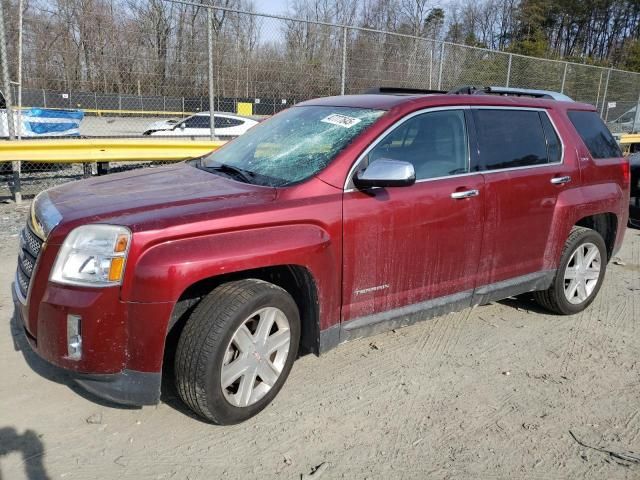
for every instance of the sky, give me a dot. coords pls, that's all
(270, 6)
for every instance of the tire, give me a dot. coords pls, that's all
(554, 298)
(211, 343)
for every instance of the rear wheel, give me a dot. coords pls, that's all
(580, 273)
(236, 350)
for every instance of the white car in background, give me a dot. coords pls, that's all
(198, 125)
(161, 125)
(625, 123)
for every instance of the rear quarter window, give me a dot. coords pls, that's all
(594, 133)
(226, 122)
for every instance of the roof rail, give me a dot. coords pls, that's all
(401, 91)
(472, 90)
(530, 92)
(465, 90)
(520, 92)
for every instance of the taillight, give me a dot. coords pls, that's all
(626, 173)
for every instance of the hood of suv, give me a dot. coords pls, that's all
(153, 197)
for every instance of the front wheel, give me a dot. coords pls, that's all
(580, 273)
(236, 350)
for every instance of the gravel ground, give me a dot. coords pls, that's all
(500, 391)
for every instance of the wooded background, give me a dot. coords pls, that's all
(159, 47)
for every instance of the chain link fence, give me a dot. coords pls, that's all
(141, 105)
(128, 66)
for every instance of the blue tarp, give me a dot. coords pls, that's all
(44, 122)
(44, 113)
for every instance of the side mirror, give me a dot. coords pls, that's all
(386, 173)
(182, 126)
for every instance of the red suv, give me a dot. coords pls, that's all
(338, 218)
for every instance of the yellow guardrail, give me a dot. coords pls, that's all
(626, 140)
(630, 138)
(100, 111)
(243, 109)
(107, 150)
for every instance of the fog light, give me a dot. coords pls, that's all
(74, 337)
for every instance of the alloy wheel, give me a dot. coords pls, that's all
(255, 357)
(582, 273)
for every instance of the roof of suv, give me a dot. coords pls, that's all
(387, 102)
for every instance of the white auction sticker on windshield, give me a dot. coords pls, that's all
(341, 120)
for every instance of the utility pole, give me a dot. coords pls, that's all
(343, 75)
(6, 82)
(6, 86)
(20, 23)
(211, 73)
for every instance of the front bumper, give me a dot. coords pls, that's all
(127, 387)
(120, 385)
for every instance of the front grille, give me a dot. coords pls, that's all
(32, 242)
(27, 262)
(23, 282)
(30, 246)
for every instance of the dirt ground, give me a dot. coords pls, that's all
(499, 391)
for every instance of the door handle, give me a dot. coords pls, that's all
(465, 194)
(560, 180)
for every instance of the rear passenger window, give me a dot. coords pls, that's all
(595, 134)
(554, 148)
(510, 138)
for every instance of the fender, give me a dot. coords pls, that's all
(575, 204)
(164, 271)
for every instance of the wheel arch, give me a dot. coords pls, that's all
(606, 224)
(297, 280)
(593, 206)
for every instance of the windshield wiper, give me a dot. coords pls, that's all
(244, 175)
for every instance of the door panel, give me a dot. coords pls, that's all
(405, 245)
(521, 159)
(519, 211)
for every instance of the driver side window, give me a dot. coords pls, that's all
(434, 142)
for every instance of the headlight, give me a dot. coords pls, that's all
(93, 256)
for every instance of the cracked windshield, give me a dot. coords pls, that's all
(292, 146)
